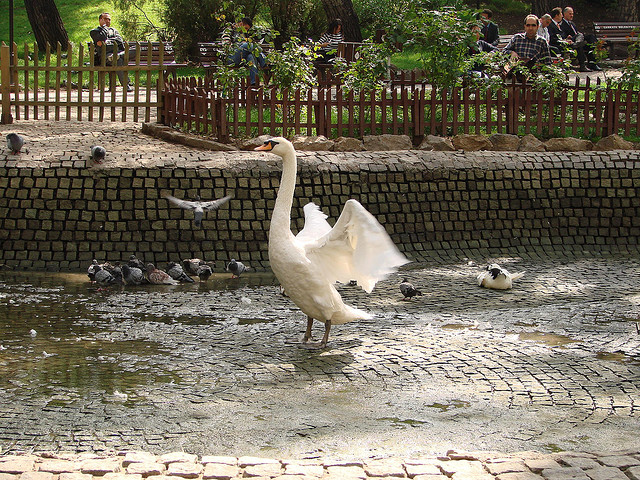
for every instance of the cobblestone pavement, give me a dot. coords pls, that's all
(550, 366)
(623, 465)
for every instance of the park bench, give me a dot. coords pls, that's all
(504, 41)
(169, 63)
(347, 50)
(616, 33)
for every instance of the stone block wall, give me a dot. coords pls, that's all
(443, 204)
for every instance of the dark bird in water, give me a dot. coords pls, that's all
(103, 276)
(14, 143)
(204, 272)
(132, 275)
(195, 266)
(408, 290)
(236, 268)
(176, 272)
(198, 207)
(98, 153)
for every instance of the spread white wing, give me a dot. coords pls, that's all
(187, 205)
(214, 204)
(356, 248)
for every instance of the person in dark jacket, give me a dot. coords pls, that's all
(104, 34)
(583, 44)
(489, 29)
(555, 34)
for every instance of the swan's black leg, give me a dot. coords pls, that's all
(307, 334)
(325, 338)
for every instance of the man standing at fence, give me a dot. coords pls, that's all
(104, 34)
(528, 47)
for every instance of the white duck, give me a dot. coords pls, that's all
(307, 265)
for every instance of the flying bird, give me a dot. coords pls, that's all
(236, 268)
(408, 290)
(14, 143)
(308, 264)
(198, 207)
(498, 277)
(98, 153)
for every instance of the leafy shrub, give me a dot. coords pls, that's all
(292, 67)
(368, 71)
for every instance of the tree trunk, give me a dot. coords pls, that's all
(46, 23)
(540, 7)
(343, 9)
(627, 11)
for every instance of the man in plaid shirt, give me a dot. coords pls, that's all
(528, 46)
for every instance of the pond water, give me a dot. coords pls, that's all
(216, 368)
(57, 331)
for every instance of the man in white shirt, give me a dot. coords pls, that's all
(545, 21)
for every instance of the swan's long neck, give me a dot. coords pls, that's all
(281, 217)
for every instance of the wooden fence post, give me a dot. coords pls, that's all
(5, 84)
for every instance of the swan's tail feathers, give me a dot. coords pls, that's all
(350, 314)
(517, 276)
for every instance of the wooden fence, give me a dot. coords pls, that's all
(589, 109)
(65, 85)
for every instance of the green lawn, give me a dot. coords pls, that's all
(78, 16)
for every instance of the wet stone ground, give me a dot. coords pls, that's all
(551, 365)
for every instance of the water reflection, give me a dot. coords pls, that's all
(62, 337)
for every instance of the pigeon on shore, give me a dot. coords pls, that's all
(136, 262)
(98, 153)
(198, 207)
(408, 290)
(176, 272)
(236, 268)
(14, 143)
(497, 277)
(156, 276)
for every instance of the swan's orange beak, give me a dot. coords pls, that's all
(268, 146)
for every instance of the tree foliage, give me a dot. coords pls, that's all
(441, 38)
(292, 66)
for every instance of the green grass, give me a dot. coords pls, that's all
(78, 16)
(406, 60)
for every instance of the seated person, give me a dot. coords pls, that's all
(480, 46)
(489, 29)
(329, 41)
(244, 54)
(528, 46)
(582, 44)
(105, 35)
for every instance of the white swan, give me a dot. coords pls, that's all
(307, 265)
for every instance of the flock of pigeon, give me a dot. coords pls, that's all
(135, 272)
